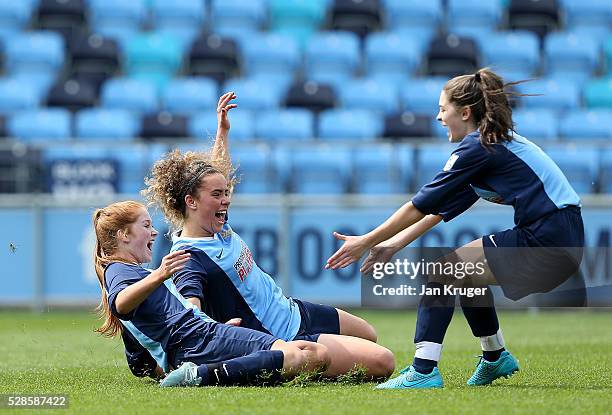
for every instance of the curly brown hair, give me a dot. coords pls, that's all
(177, 175)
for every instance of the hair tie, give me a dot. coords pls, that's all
(477, 77)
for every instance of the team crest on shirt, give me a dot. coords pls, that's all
(244, 264)
(226, 233)
(451, 162)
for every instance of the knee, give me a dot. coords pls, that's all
(384, 363)
(314, 357)
(370, 332)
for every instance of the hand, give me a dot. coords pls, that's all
(378, 254)
(172, 263)
(223, 107)
(352, 249)
(234, 321)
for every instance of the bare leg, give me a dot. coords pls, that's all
(351, 325)
(302, 356)
(346, 352)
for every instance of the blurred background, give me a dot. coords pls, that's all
(335, 126)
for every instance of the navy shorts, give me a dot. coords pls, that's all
(216, 342)
(316, 319)
(538, 257)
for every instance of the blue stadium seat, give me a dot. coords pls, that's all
(298, 19)
(516, 55)
(556, 94)
(44, 124)
(320, 170)
(41, 82)
(580, 166)
(181, 19)
(586, 124)
(420, 36)
(431, 161)
(375, 170)
(413, 13)
(573, 55)
(606, 172)
(14, 17)
(536, 124)
(129, 94)
(344, 124)
(190, 95)
(237, 18)
(331, 57)
(255, 94)
(406, 164)
(204, 125)
(474, 13)
(254, 170)
(270, 53)
(390, 54)
(16, 96)
(370, 94)
(285, 124)
(592, 14)
(153, 56)
(598, 93)
(132, 168)
(110, 124)
(422, 95)
(117, 19)
(34, 52)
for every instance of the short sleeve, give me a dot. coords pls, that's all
(118, 277)
(465, 163)
(458, 204)
(191, 280)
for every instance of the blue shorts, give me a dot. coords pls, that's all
(316, 319)
(216, 342)
(538, 257)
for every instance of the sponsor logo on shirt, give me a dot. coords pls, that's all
(451, 161)
(244, 264)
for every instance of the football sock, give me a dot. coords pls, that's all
(480, 314)
(262, 368)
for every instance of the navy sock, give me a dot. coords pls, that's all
(479, 311)
(424, 366)
(262, 368)
(492, 356)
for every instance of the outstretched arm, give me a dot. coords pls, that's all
(220, 149)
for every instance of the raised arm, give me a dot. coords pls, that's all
(221, 145)
(130, 297)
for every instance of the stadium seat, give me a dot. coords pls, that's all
(375, 171)
(422, 95)
(452, 55)
(255, 95)
(370, 94)
(571, 55)
(94, 58)
(66, 17)
(3, 132)
(586, 124)
(298, 19)
(34, 52)
(606, 172)
(406, 162)
(14, 17)
(595, 15)
(214, 56)
(129, 94)
(598, 93)
(515, 55)
(190, 95)
(180, 19)
(109, 124)
(540, 17)
(430, 161)
(43, 124)
(285, 124)
(580, 166)
(484, 14)
(132, 168)
(254, 171)
(344, 124)
(16, 96)
(163, 125)
(310, 95)
(389, 54)
(237, 18)
(72, 94)
(553, 94)
(270, 53)
(536, 124)
(406, 125)
(358, 16)
(331, 56)
(152, 55)
(320, 170)
(413, 13)
(117, 19)
(204, 125)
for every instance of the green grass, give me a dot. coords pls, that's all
(565, 359)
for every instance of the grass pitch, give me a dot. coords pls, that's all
(565, 359)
